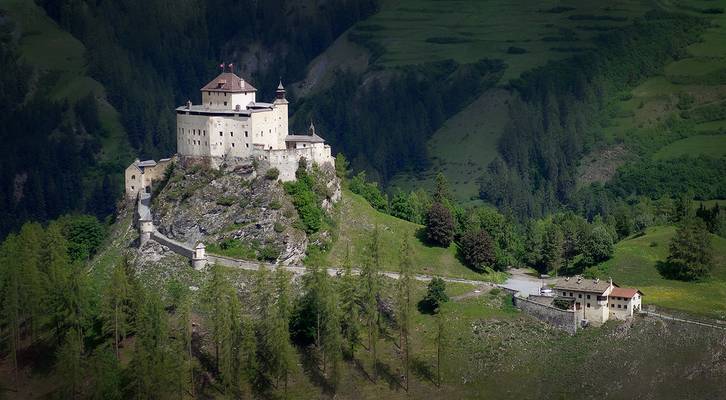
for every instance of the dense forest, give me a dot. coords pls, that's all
(383, 122)
(558, 111)
(47, 147)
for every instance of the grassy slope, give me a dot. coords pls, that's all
(49, 49)
(357, 219)
(656, 99)
(463, 147)
(634, 264)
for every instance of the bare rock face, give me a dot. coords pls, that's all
(232, 208)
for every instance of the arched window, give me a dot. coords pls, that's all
(133, 177)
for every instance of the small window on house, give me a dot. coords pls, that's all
(247, 145)
(232, 144)
(221, 134)
(572, 294)
(612, 305)
(588, 305)
(579, 295)
(619, 306)
(564, 293)
(133, 188)
(225, 103)
(625, 306)
(246, 135)
(231, 134)
(133, 176)
(205, 132)
(588, 296)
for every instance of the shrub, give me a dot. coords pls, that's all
(275, 204)
(278, 227)
(439, 225)
(226, 201)
(478, 250)
(369, 191)
(305, 201)
(269, 253)
(435, 296)
(272, 174)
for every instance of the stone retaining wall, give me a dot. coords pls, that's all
(173, 245)
(562, 319)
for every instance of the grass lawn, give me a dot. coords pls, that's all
(708, 145)
(357, 219)
(634, 264)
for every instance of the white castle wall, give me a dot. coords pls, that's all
(222, 100)
(287, 160)
(205, 136)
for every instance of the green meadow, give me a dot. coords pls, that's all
(634, 264)
(355, 222)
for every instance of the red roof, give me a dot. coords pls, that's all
(628, 293)
(228, 82)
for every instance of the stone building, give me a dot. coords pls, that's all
(140, 176)
(597, 300)
(231, 125)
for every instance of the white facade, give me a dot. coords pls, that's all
(598, 301)
(230, 123)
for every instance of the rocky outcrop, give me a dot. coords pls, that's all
(233, 206)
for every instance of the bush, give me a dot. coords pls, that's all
(272, 174)
(440, 225)
(269, 253)
(478, 250)
(305, 201)
(275, 204)
(226, 201)
(278, 227)
(435, 296)
(369, 191)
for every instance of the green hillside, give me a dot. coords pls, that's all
(355, 221)
(50, 50)
(690, 90)
(634, 264)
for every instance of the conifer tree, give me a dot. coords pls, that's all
(405, 288)
(247, 365)
(552, 248)
(150, 366)
(370, 280)
(349, 307)
(106, 373)
(284, 353)
(223, 309)
(115, 311)
(441, 342)
(11, 297)
(32, 289)
(69, 364)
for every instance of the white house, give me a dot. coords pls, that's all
(597, 300)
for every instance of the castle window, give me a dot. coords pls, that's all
(221, 134)
(225, 103)
(133, 176)
(232, 144)
(246, 134)
(132, 188)
(205, 132)
(247, 145)
(231, 134)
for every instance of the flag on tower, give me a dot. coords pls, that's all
(231, 67)
(221, 66)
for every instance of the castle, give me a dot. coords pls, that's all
(231, 126)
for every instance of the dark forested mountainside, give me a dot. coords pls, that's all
(383, 122)
(558, 111)
(153, 54)
(46, 148)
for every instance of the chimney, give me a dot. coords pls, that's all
(597, 280)
(189, 104)
(611, 281)
(237, 107)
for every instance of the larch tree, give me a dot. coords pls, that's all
(441, 342)
(370, 280)
(283, 352)
(404, 293)
(222, 309)
(32, 290)
(349, 296)
(69, 364)
(11, 297)
(151, 372)
(247, 366)
(116, 306)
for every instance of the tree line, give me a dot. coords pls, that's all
(50, 164)
(558, 105)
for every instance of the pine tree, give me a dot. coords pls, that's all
(440, 225)
(247, 366)
(115, 312)
(371, 286)
(106, 373)
(441, 342)
(11, 296)
(349, 308)
(552, 248)
(223, 310)
(284, 353)
(32, 290)
(151, 372)
(69, 364)
(690, 254)
(405, 289)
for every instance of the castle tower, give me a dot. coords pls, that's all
(199, 258)
(281, 110)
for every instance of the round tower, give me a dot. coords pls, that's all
(199, 258)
